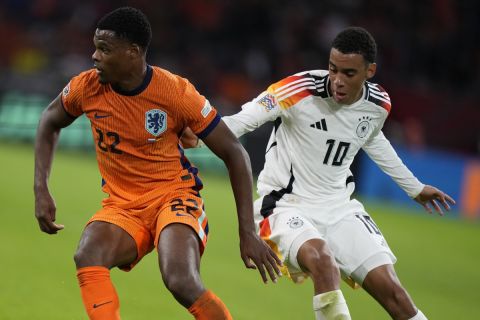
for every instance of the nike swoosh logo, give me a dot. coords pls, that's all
(101, 304)
(98, 116)
(183, 215)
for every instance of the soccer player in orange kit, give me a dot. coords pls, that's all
(137, 114)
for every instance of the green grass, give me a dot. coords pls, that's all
(438, 257)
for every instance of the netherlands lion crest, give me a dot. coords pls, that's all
(156, 121)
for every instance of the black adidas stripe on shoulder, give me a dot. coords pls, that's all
(378, 95)
(321, 84)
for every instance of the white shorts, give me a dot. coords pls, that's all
(351, 234)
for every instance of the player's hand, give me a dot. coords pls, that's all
(188, 139)
(431, 196)
(256, 254)
(45, 211)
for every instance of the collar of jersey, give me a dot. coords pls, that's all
(140, 88)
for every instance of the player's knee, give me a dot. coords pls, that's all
(80, 258)
(182, 285)
(399, 296)
(84, 257)
(398, 303)
(325, 266)
(322, 266)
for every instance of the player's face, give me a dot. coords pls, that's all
(348, 73)
(111, 57)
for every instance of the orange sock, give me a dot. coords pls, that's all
(98, 294)
(209, 307)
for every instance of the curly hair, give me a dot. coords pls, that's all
(128, 23)
(356, 40)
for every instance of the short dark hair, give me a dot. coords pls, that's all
(356, 40)
(128, 23)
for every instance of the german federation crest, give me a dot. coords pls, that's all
(156, 121)
(363, 127)
(295, 222)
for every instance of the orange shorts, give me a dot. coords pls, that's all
(145, 225)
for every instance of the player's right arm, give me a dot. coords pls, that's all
(52, 120)
(251, 117)
(255, 113)
(264, 108)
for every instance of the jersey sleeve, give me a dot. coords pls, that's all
(260, 110)
(72, 96)
(381, 151)
(198, 113)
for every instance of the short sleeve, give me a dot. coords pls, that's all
(198, 113)
(72, 97)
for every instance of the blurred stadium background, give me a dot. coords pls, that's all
(429, 62)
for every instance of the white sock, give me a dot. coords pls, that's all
(331, 306)
(419, 316)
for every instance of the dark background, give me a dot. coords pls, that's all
(428, 54)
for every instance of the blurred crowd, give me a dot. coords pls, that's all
(428, 52)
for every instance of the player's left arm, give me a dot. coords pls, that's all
(430, 196)
(382, 153)
(255, 253)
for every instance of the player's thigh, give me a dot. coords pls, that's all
(135, 230)
(181, 233)
(179, 251)
(179, 260)
(106, 244)
(358, 245)
(187, 209)
(286, 230)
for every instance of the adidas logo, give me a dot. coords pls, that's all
(321, 125)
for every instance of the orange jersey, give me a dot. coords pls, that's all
(137, 133)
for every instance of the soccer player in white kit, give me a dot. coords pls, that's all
(305, 211)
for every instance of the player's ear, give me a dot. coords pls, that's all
(371, 69)
(134, 50)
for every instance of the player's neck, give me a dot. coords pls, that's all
(357, 98)
(135, 83)
(134, 79)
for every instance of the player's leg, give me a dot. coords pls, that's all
(105, 244)
(300, 246)
(102, 246)
(316, 259)
(364, 255)
(179, 261)
(383, 284)
(182, 229)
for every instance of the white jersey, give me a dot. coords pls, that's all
(315, 139)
